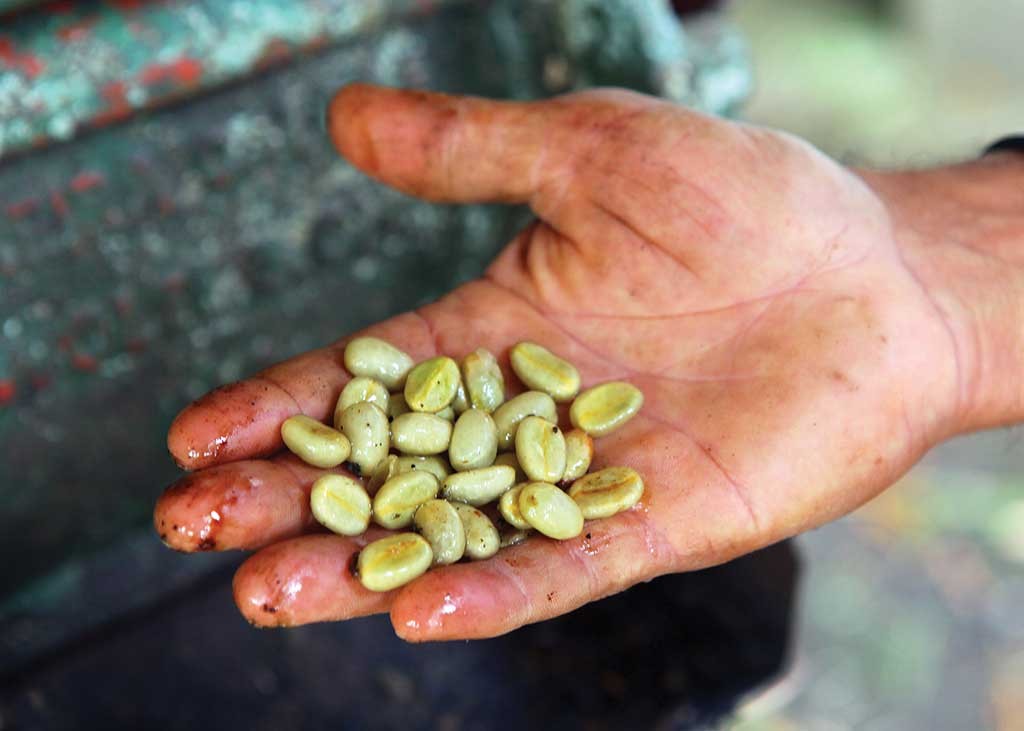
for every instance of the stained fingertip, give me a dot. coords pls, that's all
(462, 601)
(242, 505)
(236, 421)
(304, 580)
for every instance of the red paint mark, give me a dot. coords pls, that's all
(41, 381)
(174, 282)
(184, 71)
(76, 31)
(7, 391)
(59, 203)
(22, 208)
(86, 180)
(126, 4)
(109, 117)
(135, 345)
(60, 7)
(84, 362)
(115, 93)
(25, 62)
(273, 53)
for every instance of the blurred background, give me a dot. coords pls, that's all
(164, 181)
(910, 609)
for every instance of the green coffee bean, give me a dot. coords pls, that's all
(366, 427)
(359, 389)
(447, 413)
(603, 409)
(542, 370)
(474, 441)
(540, 449)
(513, 537)
(420, 434)
(579, 451)
(432, 384)
(397, 405)
(508, 506)
(440, 524)
(606, 492)
(340, 504)
(550, 511)
(461, 402)
(437, 466)
(390, 562)
(396, 501)
(509, 460)
(315, 443)
(478, 487)
(484, 383)
(509, 414)
(384, 471)
(482, 539)
(375, 358)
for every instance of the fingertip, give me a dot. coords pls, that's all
(347, 124)
(462, 601)
(232, 422)
(304, 580)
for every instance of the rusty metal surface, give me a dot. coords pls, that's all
(86, 64)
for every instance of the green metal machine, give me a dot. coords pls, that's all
(170, 209)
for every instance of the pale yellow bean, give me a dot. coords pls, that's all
(359, 389)
(484, 382)
(447, 413)
(482, 539)
(474, 441)
(606, 492)
(366, 427)
(509, 414)
(315, 443)
(395, 503)
(540, 449)
(440, 524)
(397, 405)
(509, 460)
(549, 510)
(542, 370)
(579, 452)
(478, 487)
(513, 537)
(432, 384)
(603, 409)
(340, 504)
(437, 466)
(375, 358)
(420, 434)
(461, 402)
(390, 562)
(508, 506)
(384, 471)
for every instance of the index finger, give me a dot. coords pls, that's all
(242, 420)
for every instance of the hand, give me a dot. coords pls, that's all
(794, 362)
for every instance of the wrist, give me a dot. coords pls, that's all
(960, 233)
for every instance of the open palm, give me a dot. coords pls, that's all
(793, 366)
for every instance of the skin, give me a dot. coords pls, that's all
(802, 333)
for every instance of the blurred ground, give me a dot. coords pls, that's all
(911, 608)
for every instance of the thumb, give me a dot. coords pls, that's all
(452, 148)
